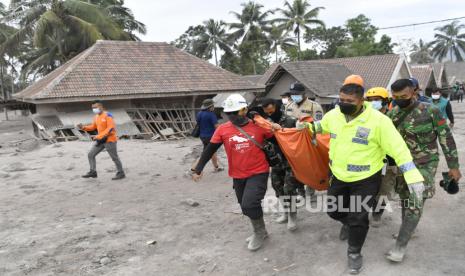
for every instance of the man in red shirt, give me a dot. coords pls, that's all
(248, 165)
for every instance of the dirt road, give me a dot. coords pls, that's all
(53, 222)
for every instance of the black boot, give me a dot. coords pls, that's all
(344, 234)
(90, 174)
(118, 176)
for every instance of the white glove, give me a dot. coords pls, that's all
(417, 190)
(302, 125)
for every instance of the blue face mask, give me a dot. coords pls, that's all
(377, 105)
(297, 98)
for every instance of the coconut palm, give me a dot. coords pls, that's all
(449, 40)
(123, 16)
(215, 37)
(298, 17)
(277, 38)
(59, 30)
(252, 23)
(421, 53)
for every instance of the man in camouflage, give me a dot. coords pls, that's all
(284, 183)
(302, 106)
(421, 126)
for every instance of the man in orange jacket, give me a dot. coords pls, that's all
(105, 139)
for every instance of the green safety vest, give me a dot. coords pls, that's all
(358, 148)
(441, 104)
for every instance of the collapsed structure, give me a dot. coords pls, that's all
(152, 89)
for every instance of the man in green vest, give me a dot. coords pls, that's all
(444, 106)
(360, 139)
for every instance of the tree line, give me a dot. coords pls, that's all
(258, 37)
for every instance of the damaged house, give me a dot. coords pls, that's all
(152, 89)
(323, 78)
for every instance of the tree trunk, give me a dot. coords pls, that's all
(298, 42)
(216, 58)
(3, 90)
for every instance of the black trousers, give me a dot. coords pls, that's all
(357, 219)
(250, 193)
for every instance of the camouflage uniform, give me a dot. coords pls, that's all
(421, 130)
(297, 111)
(282, 178)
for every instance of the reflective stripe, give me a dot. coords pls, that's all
(358, 168)
(360, 141)
(407, 167)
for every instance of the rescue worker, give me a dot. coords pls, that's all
(419, 93)
(379, 99)
(105, 139)
(302, 106)
(247, 163)
(444, 106)
(360, 139)
(283, 181)
(421, 126)
(286, 100)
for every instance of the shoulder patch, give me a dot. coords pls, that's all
(109, 114)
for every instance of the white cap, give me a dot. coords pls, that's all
(234, 102)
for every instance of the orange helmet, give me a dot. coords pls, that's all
(354, 79)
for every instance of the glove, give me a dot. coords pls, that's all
(302, 125)
(416, 193)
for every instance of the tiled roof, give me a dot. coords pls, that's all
(422, 73)
(455, 71)
(321, 78)
(438, 70)
(128, 69)
(376, 70)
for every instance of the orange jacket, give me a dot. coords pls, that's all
(105, 127)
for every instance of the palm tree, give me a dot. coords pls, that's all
(298, 17)
(449, 40)
(253, 23)
(123, 16)
(249, 34)
(421, 53)
(214, 37)
(58, 30)
(277, 38)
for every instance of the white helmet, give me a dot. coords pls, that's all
(234, 102)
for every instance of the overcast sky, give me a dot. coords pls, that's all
(167, 19)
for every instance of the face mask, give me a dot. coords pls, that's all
(96, 110)
(377, 105)
(285, 100)
(403, 103)
(297, 98)
(347, 108)
(238, 120)
(435, 97)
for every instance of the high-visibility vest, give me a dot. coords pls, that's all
(357, 148)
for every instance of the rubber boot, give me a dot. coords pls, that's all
(283, 215)
(406, 231)
(90, 174)
(292, 221)
(259, 234)
(344, 234)
(355, 263)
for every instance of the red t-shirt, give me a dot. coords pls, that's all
(244, 157)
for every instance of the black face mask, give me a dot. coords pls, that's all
(238, 120)
(347, 108)
(403, 103)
